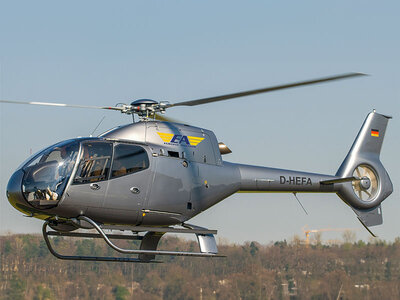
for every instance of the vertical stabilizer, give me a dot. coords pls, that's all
(372, 184)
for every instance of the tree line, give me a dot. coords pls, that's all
(280, 270)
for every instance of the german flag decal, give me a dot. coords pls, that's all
(375, 132)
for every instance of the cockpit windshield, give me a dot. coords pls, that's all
(48, 173)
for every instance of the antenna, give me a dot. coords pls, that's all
(295, 195)
(97, 126)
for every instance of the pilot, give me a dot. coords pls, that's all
(67, 154)
(65, 166)
(63, 152)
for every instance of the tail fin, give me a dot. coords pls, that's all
(372, 184)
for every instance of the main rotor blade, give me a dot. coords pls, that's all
(265, 90)
(60, 105)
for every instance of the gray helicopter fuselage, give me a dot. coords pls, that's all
(182, 175)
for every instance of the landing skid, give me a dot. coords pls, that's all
(148, 246)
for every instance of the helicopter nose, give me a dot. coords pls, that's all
(14, 191)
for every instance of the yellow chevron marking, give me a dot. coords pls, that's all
(166, 137)
(194, 140)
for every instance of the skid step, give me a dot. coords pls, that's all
(95, 235)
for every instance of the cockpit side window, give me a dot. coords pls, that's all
(95, 162)
(128, 159)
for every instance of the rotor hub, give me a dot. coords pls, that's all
(365, 183)
(146, 102)
(144, 108)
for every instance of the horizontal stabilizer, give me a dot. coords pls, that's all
(370, 217)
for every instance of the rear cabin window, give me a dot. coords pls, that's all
(128, 159)
(95, 162)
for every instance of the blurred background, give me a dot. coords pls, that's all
(101, 53)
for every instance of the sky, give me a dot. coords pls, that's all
(102, 53)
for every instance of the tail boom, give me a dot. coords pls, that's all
(361, 181)
(263, 179)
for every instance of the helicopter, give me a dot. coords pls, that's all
(150, 177)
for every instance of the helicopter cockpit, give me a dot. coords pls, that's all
(46, 175)
(88, 160)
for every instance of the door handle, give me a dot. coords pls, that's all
(134, 190)
(94, 186)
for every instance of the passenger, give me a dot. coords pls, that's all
(87, 162)
(118, 169)
(98, 169)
